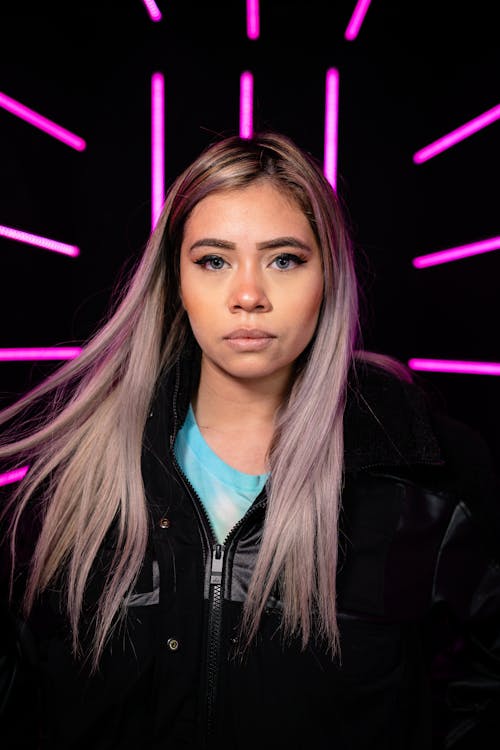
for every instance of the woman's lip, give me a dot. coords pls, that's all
(249, 343)
(249, 333)
(249, 339)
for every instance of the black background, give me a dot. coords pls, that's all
(416, 71)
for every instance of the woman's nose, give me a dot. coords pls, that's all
(248, 292)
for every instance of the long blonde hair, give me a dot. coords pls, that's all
(84, 450)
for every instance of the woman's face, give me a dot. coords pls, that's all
(251, 281)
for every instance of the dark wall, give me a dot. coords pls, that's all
(416, 71)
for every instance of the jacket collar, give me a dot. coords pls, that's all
(387, 422)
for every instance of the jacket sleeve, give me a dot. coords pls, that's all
(466, 593)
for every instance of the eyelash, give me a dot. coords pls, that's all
(297, 259)
(206, 259)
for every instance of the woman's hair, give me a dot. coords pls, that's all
(84, 449)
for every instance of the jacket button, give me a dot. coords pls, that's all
(173, 644)
(164, 522)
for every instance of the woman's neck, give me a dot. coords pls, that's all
(222, 401)
(237, 417)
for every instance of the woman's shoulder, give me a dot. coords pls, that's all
(406, 402)
(387, 418)
(388, 404)
(471, 472)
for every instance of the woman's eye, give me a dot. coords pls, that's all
(285, 261)
(211, 262)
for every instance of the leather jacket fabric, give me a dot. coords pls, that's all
(418, 601)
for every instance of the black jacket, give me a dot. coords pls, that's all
(418, 602)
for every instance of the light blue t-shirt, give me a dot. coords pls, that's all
(225, 492)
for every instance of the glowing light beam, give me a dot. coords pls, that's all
(357, 18)
(157, 146)
(153, 10)
(246, 105)
(42, 123)
(331, 126)
(253, 19)
(15, 475)
(33, 239)
(456, 253)
(35, 354)
(459, 134)
(455, 366)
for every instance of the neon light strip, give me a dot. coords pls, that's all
(331, 126)
(39, 353)
(153, 10)
(464, 131)
(253, 20)
(13, 476)
(357, 19)
(34, 239)
(457, 366)
(157, 146)
(18, 109)
(246, 105)
(455, 253)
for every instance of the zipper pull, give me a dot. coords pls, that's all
(216, 570)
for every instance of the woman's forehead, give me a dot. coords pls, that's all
(259, 207)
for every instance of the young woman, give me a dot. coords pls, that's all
(237, 527)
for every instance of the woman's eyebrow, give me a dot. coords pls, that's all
(213, 242)
(276, 242)
(284, 242)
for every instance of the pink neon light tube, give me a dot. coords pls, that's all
(456, 253)
(357, 18)
(246, 105)
(253, 19)
(34, 239)
(157, 146)
(9, 477)
(456, 366)
(24, 354)
(331, 126)
(56, 131)
(153, 10)
(464, 131)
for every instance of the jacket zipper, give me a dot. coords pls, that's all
(214, 598)
(214, 595)
(216, 570)
(216, 576)
(214, 631)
